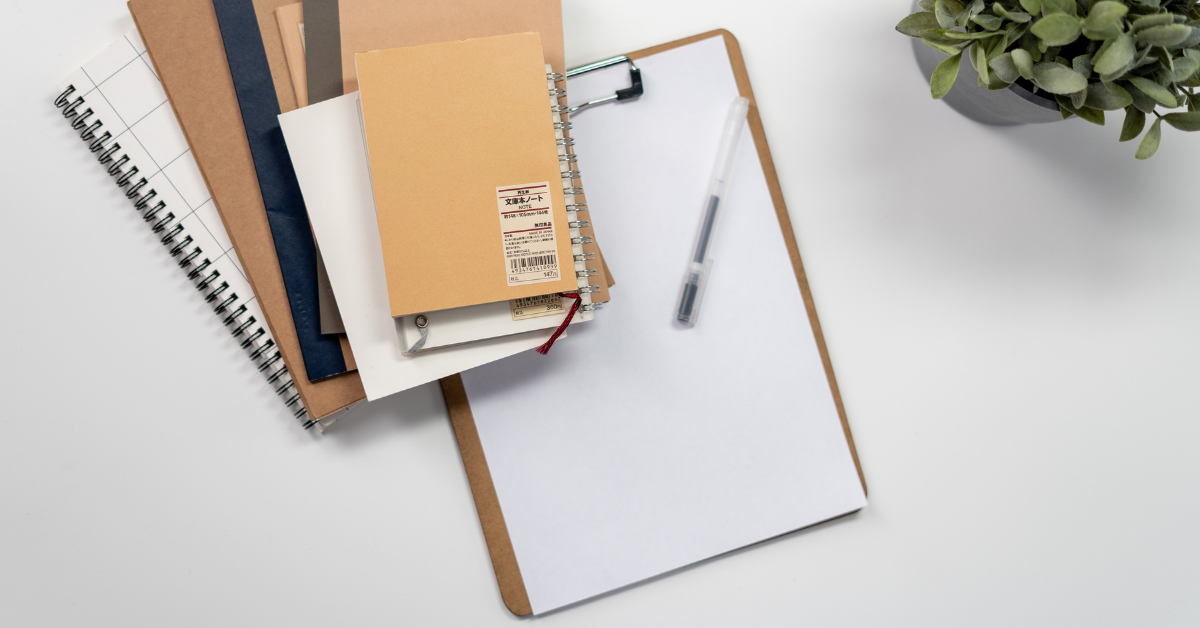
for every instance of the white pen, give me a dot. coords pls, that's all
(700, 263)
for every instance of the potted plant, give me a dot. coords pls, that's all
(1042, 60)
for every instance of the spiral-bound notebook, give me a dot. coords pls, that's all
(475, 203)
(117, 104)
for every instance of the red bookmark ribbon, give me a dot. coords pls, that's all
(545, 348)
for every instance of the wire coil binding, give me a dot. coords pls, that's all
(237, 319)
(569, 172)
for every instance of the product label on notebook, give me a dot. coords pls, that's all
(527, 233)
(534, 307)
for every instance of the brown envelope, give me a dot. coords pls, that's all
(185, 44)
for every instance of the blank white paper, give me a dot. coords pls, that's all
(676, 445)
(327, 150)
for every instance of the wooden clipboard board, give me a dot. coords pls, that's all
(495, 532)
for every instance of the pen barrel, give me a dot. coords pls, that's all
(730, 137)
(687, 310)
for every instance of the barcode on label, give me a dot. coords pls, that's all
(537, 262)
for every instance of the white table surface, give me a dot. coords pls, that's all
(1013, 315)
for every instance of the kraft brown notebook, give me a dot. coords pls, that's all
(184, 42)
(471, 200)
(368, 25)
(702, 446)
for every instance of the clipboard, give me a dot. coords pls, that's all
(500, 546)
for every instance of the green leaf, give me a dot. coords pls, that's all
(1194, 38)
(1149, 144)
(1032, 6)
(979, 60)
(1058, 79)
(1154, 90)
(1024, 62)
(944, 14)
(1194, 103)
(1135, 121)
(1058, 29)
(1114, 55)
(944, 75)
(1065, 107)
(1108, 97)
(917, 22)
(1013, 16)
(1140, 100)
(973, 9)
(1004, 68)
(958, 35)
(1165, 36)
(1102, 34)
(1015, 32)
(1188, 121)
(926, 5)
(1104, 14)
(996, 46)
(950, 50)
(988, 22)
(1058, 6)
(1095, 116)
(1079, 99)
(1083, 65)
(1157, 19)
(1112, 76)
(935, 35)
(1185, 67)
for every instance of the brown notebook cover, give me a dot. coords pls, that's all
(379, 24)
(487, 504)
(291, 22)
(465, 168)
(185, 44)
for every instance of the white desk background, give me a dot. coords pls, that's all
(1013, 314)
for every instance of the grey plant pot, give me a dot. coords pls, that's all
(1015, 105)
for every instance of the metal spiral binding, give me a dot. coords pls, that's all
(218, 293)
(568, 166)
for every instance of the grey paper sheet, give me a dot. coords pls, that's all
(331, 316)
(322, 50)
(323, 67)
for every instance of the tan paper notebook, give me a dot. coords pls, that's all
(469, 190)
(379, 24)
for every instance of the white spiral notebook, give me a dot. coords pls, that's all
(116, 103)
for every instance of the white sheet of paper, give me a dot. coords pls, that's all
(688, 443)
(326, 146)
(461, 325)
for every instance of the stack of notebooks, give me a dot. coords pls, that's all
(377, 195)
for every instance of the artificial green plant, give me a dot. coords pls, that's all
(1092, 56)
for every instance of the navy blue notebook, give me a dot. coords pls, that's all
(277, 179)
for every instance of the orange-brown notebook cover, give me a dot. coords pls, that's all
(465, 167)
(367, 25)
(487, 503)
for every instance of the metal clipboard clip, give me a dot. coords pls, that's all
(629, 93)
